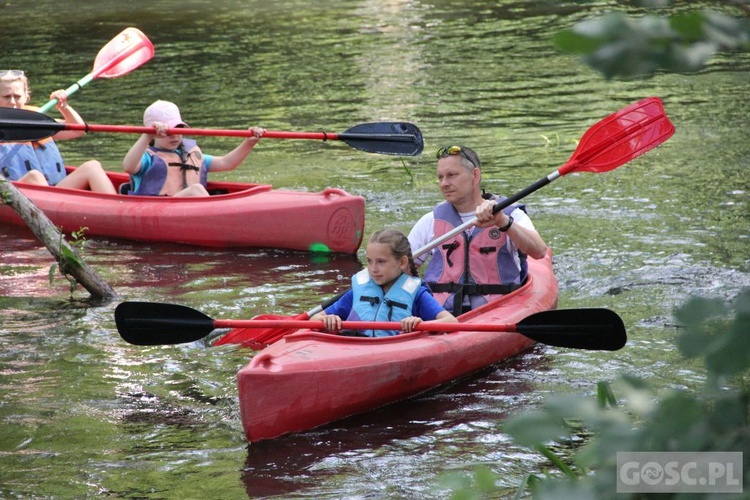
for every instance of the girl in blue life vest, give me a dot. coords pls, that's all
(388, 290)
(168, 165)
(40, 162)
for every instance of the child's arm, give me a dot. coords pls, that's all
(132, 162)
(445, 317)
(410, 323)
(232, 160)
(428, 308)
(332, 319)
(69, 114)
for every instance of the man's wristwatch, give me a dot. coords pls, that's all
(507, 226)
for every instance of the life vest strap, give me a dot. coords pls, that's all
(391, 304)
(372, 300)
(184, 166)
(450, 247)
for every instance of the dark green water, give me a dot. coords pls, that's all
(84, 414)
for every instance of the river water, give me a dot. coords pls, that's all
(82, 413)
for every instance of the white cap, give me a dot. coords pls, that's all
(165, 112)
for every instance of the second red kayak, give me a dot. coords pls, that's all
(235, 215)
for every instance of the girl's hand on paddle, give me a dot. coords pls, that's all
(331, 322)
(408, 324)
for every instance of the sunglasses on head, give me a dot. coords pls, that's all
(12, 72)
(453, 151)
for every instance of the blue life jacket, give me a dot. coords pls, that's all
(19, 158)
(53, 165)
(370, 304)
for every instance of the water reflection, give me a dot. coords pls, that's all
(250, 280)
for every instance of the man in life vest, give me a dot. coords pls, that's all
(40, 162)
(485, 261)
(168, 165)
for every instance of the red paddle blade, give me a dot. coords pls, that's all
(621, 137)
(128, 50)
(257, 338)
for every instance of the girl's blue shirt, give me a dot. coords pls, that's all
(425, 306)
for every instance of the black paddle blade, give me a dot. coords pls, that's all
(150, 323)
(388, 138)
(23, 125)
(592, 329)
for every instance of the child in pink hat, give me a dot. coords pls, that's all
(170, 165)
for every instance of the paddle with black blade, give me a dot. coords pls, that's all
(606, 145)
(124, 53)
(151, 323)
(390, 138)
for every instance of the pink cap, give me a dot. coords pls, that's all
(165, 112)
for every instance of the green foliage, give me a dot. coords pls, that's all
(725, 344)
(619, 46)
(714, 419)
(69, 257)
(4, 196)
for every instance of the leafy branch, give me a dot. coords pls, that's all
(619, 46)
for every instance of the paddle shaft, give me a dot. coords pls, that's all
(129, 129)
(132, 49)
(426, 326)
(362, 325)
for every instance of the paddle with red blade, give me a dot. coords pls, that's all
(606, 145)
(391, 138)
(124, 53)
(151, 323)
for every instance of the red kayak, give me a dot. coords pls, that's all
(235, 215)
(310, 378)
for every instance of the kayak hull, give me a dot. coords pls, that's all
(243, 215)
(310, 378)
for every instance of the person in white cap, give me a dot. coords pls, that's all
(170, 165)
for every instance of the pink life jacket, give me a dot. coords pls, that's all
(479, 264)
